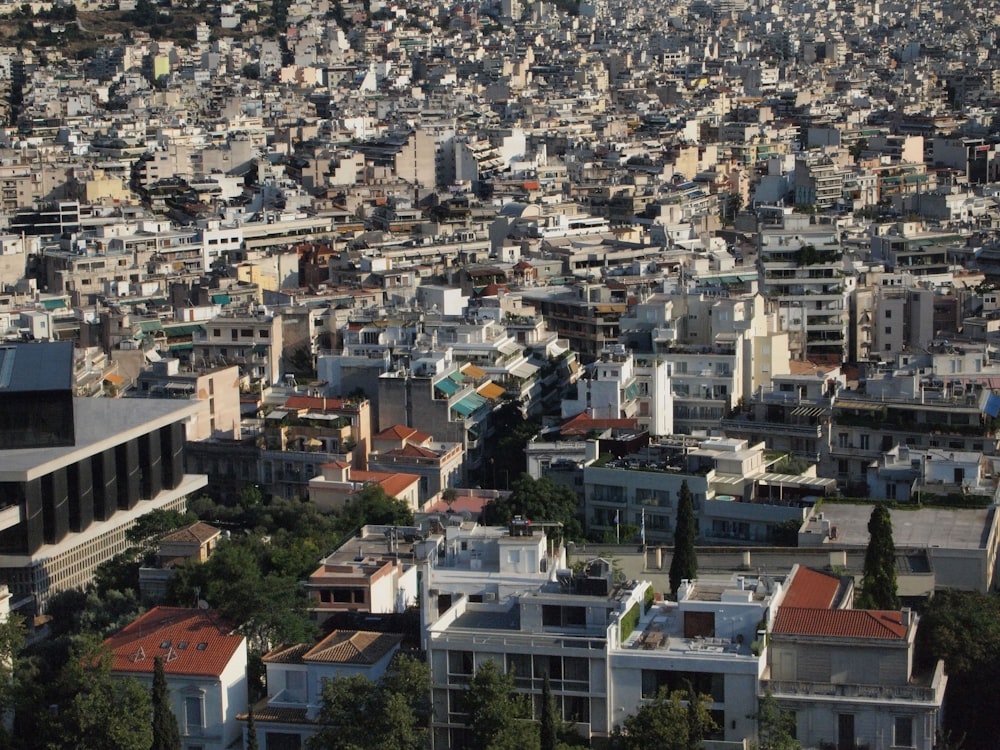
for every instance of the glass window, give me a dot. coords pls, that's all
(903, 732)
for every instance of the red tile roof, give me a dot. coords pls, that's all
(397, 432)
(196, 532)
(353, 647)
(190, 642)
(583, 423)
(314, 403)
(812, 588)
(840, 623)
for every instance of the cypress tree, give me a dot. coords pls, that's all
(166, 735)
(878, 582)
(684, 564)
(549, 718)
(251, 731)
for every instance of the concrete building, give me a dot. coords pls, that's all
(87, 470)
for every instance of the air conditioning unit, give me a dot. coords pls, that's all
(489, 596)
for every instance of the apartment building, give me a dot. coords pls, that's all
(252, 339)
(802, 271)
(847, 675)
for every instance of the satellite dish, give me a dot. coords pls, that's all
(202, 604)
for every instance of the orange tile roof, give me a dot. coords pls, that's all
(414, 450)
(190, 641)
(198, 531)
(811, 588)
(286, 653)
(397, 431)
(840, 623)
(353, 647)
(583, 423)
(314, 403)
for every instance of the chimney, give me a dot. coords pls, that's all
(906, 616)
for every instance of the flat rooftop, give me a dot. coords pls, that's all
(953, 528)
(100, 423)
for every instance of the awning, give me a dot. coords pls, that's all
(469, 404)
(116, 380)
(457, 377)
(492, 391)
(221, 299)
(447, 385)
(148, 326)
(185, 329)
(53, 304)
(808, 411)
(524, 370)
(632, 391)
(260, 348)
(181, 346)
(474, 372)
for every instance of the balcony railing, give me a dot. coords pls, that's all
(784, 688)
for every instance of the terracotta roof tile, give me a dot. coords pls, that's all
(397, 431)
(190, 641)
(813, 589)
(840, 623)
(196, 532)
(353, 647)
(286, 653)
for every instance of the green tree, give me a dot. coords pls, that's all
(878, 581)
(667, 724)
(775, 727)
(166, 735)
(11, 646)
(549, 719)
(400, 700)
(99, 711)
(963, 629)
(538, 500)
(497, 716)
(251, 731)
(684, 563)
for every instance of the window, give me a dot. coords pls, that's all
(864, 441)
(888, 330)
(193, 714)
(902, 735)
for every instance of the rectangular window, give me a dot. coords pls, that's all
(888, 314)
(192, 713)
(903, 732)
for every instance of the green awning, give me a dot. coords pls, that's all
(457, 377)
(448, 386)
(632, 391)
(149, 326)
(469, 404)
(221, 299)
(182, 346)
(260, 348)
(185, 329)
(53, 304)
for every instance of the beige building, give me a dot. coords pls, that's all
(218, 387)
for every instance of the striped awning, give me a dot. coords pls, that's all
(469, 404)
(447, 385)
(808, 411)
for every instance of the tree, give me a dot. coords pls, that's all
(251, 731)
(878, 581)
(550, 718)
(497, 716)
(400, 700)
(11, 645)
(98, 711)
(538, 500)
(166, 735)
(667, 724)
(684, 563)
(775, 727)
(963, 629)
